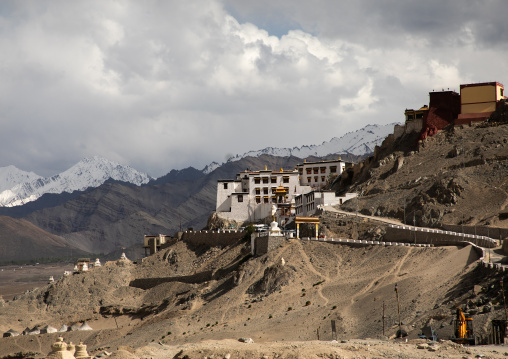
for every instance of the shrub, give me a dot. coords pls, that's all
(307, 303)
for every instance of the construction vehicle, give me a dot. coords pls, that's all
(463, 329)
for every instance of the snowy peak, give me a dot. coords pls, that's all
(358, 143)
(11, 176)
(94, 171)
(89, 172)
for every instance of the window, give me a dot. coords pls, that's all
(316, 169)
(274, 180)
(225, 186)
(257, 180)
(258, 199)
(265, 179)
(333, 169)
(265, 190)
(308, 179)
(309, 171)
(323, 169)
(265, 199)
(274, 189)
(316, 179)
(323, 178)
(258, 190)
(285, 179)
(274, 199)
(240, 198)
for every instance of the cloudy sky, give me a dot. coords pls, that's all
(169, 84)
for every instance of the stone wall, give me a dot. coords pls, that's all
(263, 245)
(408, 234)
(492, 232)
(213, 238)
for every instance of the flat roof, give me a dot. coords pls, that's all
(494, 83)
(321, 162)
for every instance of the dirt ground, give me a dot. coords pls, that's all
(16, 279)
(202, 300)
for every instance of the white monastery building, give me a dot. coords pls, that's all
(317, 174)
(307, 204)
(250, 196)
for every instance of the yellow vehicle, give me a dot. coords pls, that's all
(463, 329)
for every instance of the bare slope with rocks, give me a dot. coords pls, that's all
(191, 294)
(458, 176)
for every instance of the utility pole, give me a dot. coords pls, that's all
(383, 318)
(398, 310)
(504, 301)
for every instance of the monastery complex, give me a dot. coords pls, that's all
(253, 195)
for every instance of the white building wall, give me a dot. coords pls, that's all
(224, 191)
(316, 174)
(254, 187)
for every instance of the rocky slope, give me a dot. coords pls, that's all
(189, 294)
(458, 176)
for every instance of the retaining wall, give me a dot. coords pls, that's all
(213, 238)
(263, 245)
(492, 232)
(410, 234)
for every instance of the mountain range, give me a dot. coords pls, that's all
(18, 187)
(89, 172)
(99, 206)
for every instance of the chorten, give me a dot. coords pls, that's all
(81, 352)
(59, 350)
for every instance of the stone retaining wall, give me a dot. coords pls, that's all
(213, 238)
(408, 234)
(491, 232)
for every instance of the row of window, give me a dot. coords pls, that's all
(316, 179)
(257, 190)
(258, 180)
(309, 207)
(316, 170)
(267, 199)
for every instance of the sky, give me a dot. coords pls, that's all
(161, 85)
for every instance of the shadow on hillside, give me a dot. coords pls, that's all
(478, 276)
(197, 278)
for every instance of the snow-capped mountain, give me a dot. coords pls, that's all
(89, 172)
(211, 167)
(358, 142)
(10, 176)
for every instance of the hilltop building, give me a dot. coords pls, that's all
(476, 102)
(154, 243)
(479, 101)
(318, 174)
(250, 196)
(307, 204)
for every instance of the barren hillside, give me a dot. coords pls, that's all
(458, 176)
(187, 294)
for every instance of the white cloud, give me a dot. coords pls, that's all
(162, 85)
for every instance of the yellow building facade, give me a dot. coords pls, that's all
(480, 97)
